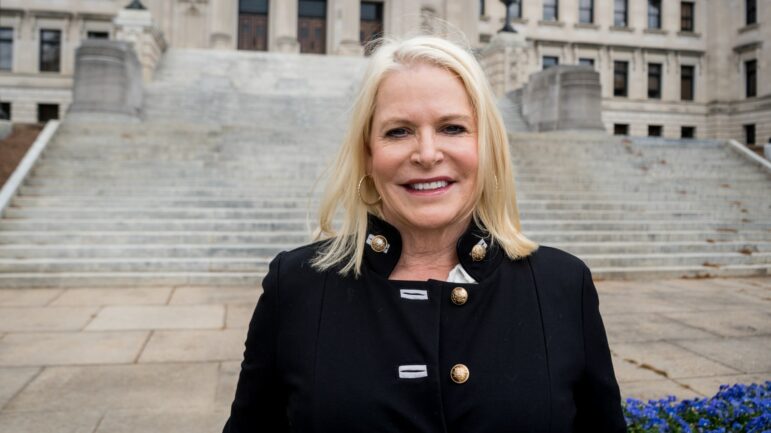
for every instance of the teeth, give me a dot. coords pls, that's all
(429, 185)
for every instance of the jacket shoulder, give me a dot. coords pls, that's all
(548, 258)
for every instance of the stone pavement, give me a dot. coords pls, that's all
(88, 360)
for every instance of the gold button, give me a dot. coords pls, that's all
(478, 253)
(459, 373)
(379, 243)
(459, 296)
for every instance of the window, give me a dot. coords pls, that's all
(5, 111)
(481, 8)
(253, 6)
(749, 134)
(751, 78)
(654, 14)
(6, 48)
(688, 132)
(654, 80)
(550, 10)
(654, 130)
(549, 61)
(686, 83)
(98, 35)
(46, 112)
(620, 13)
(586, 11)
(620, 129)
(50, 50)
(686, 16)
(620, 78)
(586, 62)
(751, 8)
(515, 9)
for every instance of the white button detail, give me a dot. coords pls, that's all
(412, 371)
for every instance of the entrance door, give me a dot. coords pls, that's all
(253, 25)
(312, 26)
(371, 24)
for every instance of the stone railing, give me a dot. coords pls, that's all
(108, 80)
(504, 61)
(563, 97)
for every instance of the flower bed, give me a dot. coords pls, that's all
(734, 409)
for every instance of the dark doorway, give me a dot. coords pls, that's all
(46, 112)
(253, 25)
(312, 26)
(371, 27)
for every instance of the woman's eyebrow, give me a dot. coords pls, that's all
(444, 118)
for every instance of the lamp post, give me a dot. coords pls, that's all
(136, 5)
(507, 26)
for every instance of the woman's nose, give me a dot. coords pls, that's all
(427, 152)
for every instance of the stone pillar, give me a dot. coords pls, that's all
(282, 25)
(505, 62)
(108, 80)
(349, 13)
(224, 22)
(138, 29)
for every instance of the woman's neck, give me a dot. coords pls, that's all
(427, 254)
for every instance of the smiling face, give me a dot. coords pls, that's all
(423, 149)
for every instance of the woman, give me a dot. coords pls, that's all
(428, 311)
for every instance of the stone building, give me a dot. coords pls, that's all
(690, 68)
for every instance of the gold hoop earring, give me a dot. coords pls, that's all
(358, 189)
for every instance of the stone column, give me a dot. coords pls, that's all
(138, 29)
(282, 22)
(349, 13)
(224, 24)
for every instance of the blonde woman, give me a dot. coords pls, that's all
(429, 310)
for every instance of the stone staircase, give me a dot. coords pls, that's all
(643, 208)
(226, 169)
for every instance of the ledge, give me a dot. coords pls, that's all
(689, 34)
(621, 29)
(551, 23)
(590, 26)
(749, 28)
(655, 31)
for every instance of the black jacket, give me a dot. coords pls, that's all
(323, 352)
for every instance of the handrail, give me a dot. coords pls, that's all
(752, 156)
(14, 182)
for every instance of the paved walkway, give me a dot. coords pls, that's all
(166, 360)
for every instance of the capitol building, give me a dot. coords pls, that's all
(671, 68)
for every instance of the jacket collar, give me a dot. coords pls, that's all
(487, 255)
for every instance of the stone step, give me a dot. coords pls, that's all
(247, 251)
(679, 271)
(143, 264)
(253, 201)
(155, 212)
(128, 279)
(298, 237)
(102, 224)
(36, 186)
(259, 264)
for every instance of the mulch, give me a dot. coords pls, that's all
(13, 147)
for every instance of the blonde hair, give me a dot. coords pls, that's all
(496, 204)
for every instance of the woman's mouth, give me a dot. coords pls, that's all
(428, 186)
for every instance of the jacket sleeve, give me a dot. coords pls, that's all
(597, 397)
(260, 401)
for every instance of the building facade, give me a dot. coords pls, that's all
(695, 68)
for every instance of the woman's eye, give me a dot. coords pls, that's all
(397, 133)
(454, 129)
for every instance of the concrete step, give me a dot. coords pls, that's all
(143, 264)
(147, 212)
(30, 280)
(668, 271)
(246, 250)
(696, 258)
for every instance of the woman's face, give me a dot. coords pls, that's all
(423, 148)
